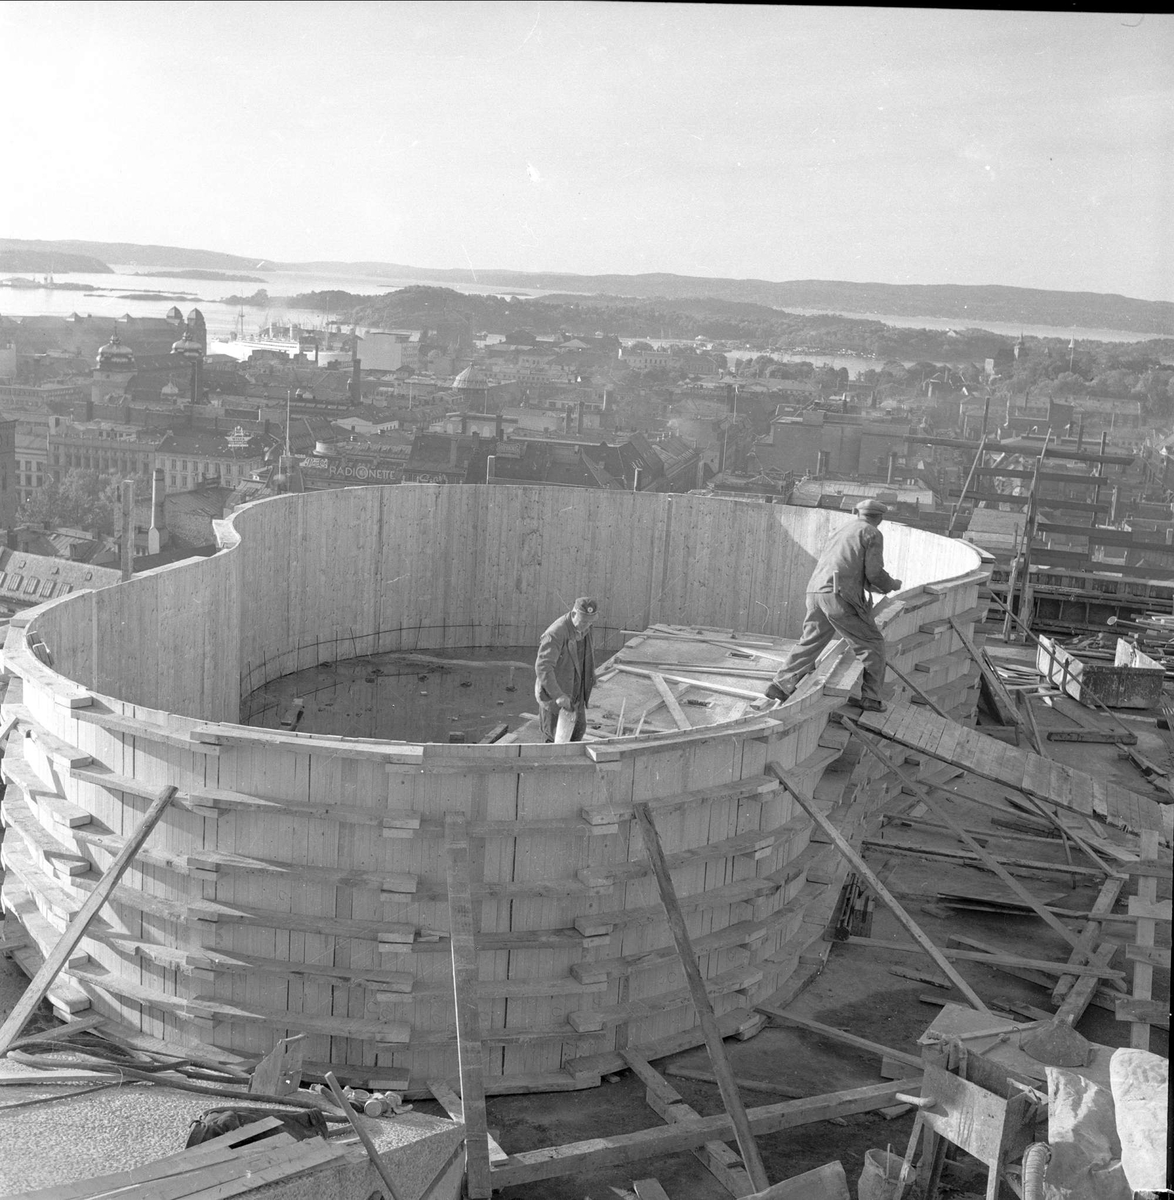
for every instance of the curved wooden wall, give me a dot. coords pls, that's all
(298, 882)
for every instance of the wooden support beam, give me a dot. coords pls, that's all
(704, 1010)
(993, 959)
(550, 1162)
(1101, 997)
(664, 1099)
(1003, 702)
(1102, 906)
(865, 872)
(917, 691)
(468, 1018)
(703, 685)
(677, 1071)
(838, 1035)
(1041, 746)
(1066, 833)
(364, 1136)
(451, 1103)
(989, 859)
(56, 959)
(1143, 972)
(1081, 994)
(670, 701)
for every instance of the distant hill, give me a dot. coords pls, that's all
(48, 262)
(967, 305)
(124, 253)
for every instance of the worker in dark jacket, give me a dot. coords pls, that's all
(565, 668)
(851, 565)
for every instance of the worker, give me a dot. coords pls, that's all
(852, 564)
(565, 668)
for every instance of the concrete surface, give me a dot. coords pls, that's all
(116, 1129)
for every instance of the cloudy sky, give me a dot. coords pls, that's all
(871, 144)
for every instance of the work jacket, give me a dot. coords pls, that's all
(852, 560)
(565, 665)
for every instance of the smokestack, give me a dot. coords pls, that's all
(128, 528)
(579, 419)
(356, 369)
(892, 466)
(823, 463)
(453, 448)
(158, 531)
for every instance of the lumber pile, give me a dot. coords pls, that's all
(253, 1156)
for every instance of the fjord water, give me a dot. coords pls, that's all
(131, 291)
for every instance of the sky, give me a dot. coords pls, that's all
(773, 142)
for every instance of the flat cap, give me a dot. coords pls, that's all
(871, 508)
(587, 604)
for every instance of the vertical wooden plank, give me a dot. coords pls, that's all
(1143, 972)
(464, 976)
(728, 1086)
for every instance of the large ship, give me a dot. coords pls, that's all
(282, 340)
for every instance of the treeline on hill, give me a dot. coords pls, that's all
(711, 319)
(1128, 370)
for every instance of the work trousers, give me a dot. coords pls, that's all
(830, 616)
(548, 720)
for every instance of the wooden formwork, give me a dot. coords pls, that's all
(298, 883)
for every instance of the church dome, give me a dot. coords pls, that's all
(470, 378)
(115, 356)
(187, 346)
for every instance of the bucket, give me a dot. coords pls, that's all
(878, 1180)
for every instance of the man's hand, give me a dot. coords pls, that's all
(564, 702)
(900, 584)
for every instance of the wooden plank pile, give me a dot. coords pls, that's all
(253, 1156)
(1108, 835)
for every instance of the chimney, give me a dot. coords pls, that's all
(579, 419)
(499, 428)
(128, 528)
(453, 448)
(823, 463)
(157, 534)
(892, 466)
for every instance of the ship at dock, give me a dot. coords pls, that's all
(285, 340)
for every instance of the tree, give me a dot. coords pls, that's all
(1068, 383)
(82, 500)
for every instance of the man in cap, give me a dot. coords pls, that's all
(851, 562)
(565, 668)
